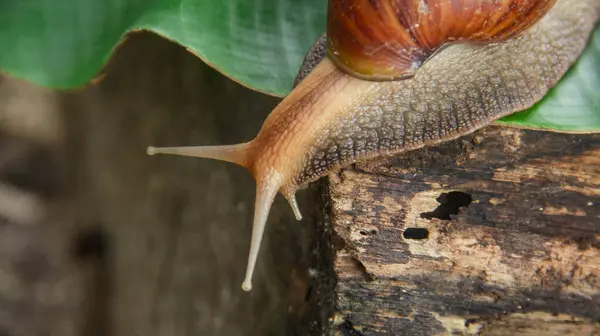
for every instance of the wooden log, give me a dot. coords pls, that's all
(495, 233)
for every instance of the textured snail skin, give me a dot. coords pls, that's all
(390, 39)
(332, 119)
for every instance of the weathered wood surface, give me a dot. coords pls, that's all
(493, 234)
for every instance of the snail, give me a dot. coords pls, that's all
(391, 76)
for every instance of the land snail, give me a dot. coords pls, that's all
(391, 76)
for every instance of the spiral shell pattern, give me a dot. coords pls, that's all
(390, 39)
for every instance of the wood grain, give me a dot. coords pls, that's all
(495, 233)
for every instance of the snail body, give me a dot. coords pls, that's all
(338, 114)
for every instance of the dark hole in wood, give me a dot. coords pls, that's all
(468, 322)
(368, 233)
(415, 233)
(308, 294)
(91, 244)
(450, 204)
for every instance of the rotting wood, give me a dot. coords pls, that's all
(496, 233)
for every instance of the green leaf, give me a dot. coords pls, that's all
(65, 43)
(62, 43)
(259, 43)
(573, 105)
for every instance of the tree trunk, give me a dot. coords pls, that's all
(495, 233)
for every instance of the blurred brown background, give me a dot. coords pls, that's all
(97, 238)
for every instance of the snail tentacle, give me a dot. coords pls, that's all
(333, 118)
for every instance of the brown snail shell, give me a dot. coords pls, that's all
(390, 39)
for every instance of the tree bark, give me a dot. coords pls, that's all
(495, 233)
